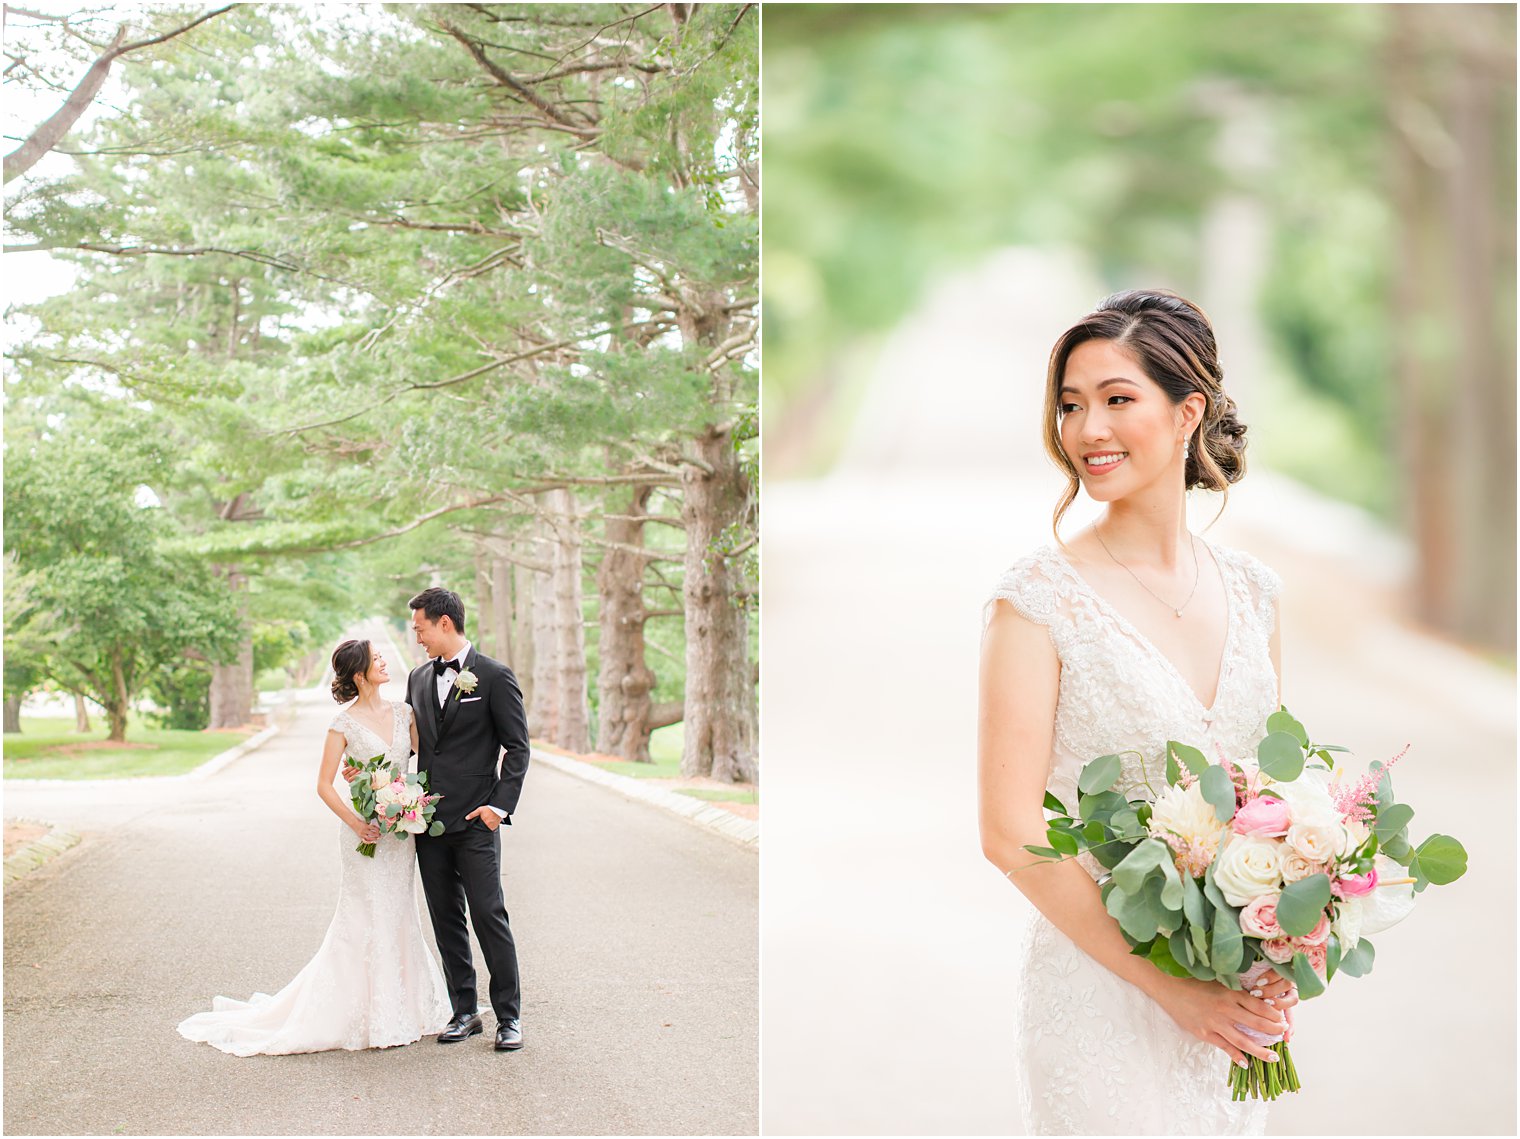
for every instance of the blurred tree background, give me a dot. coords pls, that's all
(385, 297)
(1335, 181)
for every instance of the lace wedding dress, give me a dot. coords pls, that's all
(1098, 1056)
(373, 982)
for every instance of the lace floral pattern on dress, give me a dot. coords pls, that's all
(373, 983)
(1097, 1055)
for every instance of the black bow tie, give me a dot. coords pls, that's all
(442, 666)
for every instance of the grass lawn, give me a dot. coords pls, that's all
(717, 794)
(51, 749)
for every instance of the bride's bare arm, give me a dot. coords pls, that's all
(332, 752)
(1020, 678)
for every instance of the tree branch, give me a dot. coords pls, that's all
(52, 130)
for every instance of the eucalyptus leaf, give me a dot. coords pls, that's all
(1042, 851)
(1160, 955)
(1358, 962)
(1301, 904)
(1440, 859)
(1279, 756)
(1308, 981)
(1100, 774)
(1228, 947)
(1283, 721)
(1219, 790)
(1392, 819)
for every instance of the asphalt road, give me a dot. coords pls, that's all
(637, 936)
(889, 972)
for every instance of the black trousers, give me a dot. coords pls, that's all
(462, 867)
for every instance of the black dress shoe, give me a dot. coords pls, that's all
(509, 1035)
(461, 1028)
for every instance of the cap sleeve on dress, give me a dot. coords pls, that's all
(1264, 585)
(339, 723)
(1028, 587)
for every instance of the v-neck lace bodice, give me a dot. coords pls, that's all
(1098, 1056)
(1119, 693)
(362, 742)
(1128, 628)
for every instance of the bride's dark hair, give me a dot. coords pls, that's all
(1172, 341)
(349, 659)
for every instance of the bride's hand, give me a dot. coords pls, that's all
(1211, 1012)
(368, 832)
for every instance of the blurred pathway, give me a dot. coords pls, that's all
(888, 983)
(637, 935)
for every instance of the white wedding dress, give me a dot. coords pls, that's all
(1097, 1056)
(373, 983)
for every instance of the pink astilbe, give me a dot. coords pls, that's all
(1191, 856)
(1355, 802)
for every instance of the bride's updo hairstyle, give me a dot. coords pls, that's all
(349, 659)
(1172, 341)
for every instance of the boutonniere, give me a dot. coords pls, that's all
(465, 682)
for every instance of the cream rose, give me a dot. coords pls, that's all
(1295, 867)
(1248, 868)
(1317, 835)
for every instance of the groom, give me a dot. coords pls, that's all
(468, 710)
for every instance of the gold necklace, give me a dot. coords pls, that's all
(1177, 609)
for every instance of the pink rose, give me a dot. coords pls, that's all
(1279, 949)
(1318, 955)
(1319, 934)
(1263, 816)
(1259, 918)
(1354, 885)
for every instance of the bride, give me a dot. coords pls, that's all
(373, 983)
(1134, 632)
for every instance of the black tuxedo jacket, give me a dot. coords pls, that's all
(459, 750)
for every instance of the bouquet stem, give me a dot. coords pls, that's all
(368, 850)
(1261, 1080)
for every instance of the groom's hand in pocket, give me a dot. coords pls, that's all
(491, 819)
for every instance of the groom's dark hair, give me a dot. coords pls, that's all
(438, 602)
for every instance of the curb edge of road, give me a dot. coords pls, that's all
(39, 852)
(745, 832)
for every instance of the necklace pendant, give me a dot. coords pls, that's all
(1179, 612)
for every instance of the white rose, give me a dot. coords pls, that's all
(1295, 867)
(1248, 868)
(412, 826)
(1318, 840)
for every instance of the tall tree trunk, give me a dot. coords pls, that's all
(570, 627)
(119, 703)
(545, 716)
(501, 610)
(1451, 286)
(12, 714)
(485, 610)
(624, 680)
(721, 715)
(561, 713)
(524, 640)
(81, 714)
(231, 694)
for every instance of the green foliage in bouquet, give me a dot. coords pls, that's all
(1183, 924)
(362, 794)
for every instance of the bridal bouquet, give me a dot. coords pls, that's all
(397, 800)
(1236, 868)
